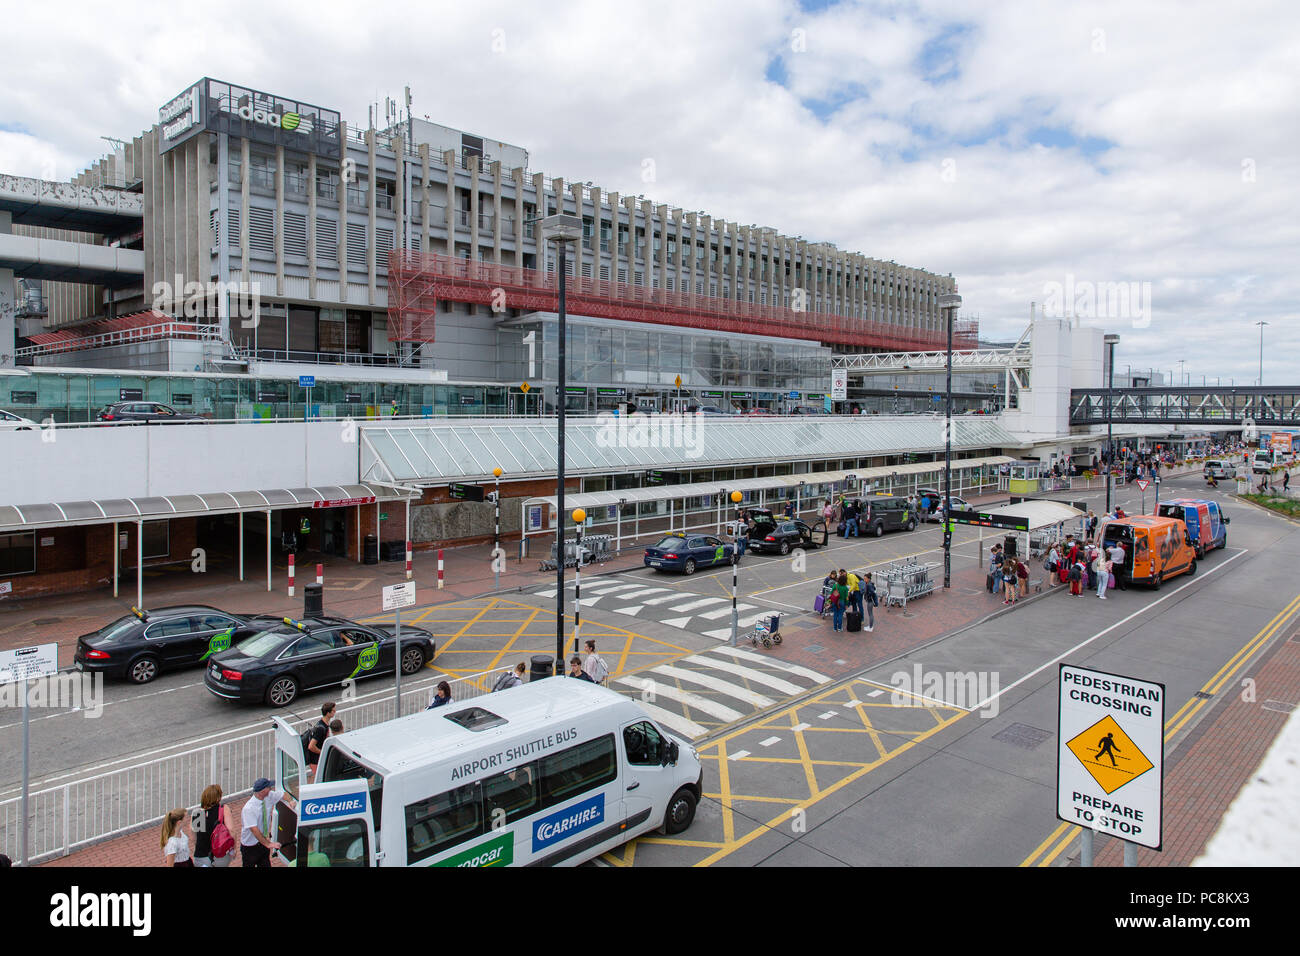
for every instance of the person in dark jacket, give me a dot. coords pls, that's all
(871, 599)
(575, 669)
(441, 696)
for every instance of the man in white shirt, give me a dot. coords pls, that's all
(258, 824)
(1117, 559)
(595, 665)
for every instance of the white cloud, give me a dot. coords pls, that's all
(593, 89)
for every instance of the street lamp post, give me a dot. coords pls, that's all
(949, 303)
(1110, 341)
(579, 519)
(1261, 323)
(737, 498)
(561, 229)
(496, 529)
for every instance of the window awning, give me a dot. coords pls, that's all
(108, 510)
(599, 499)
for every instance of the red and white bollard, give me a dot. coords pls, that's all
(320, 574)
(408, 560)
(440, 569)
(290, 575)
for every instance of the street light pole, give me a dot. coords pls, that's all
(736, 497)
(1110, 341)
(949, 303)
(561, 229)
(496, 528)
(1261, 323)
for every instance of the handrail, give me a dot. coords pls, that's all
(161, 330)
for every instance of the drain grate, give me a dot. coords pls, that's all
(1278, 706)
(1022, 735)
(1203, 695)
(814, 648)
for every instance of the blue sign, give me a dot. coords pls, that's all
(565, 823)
(325, 808)
(794, 394)
(306, 381)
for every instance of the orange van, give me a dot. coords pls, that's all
(1155, 548)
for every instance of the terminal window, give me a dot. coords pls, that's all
(18, 553)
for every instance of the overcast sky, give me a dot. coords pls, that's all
(1021, 146)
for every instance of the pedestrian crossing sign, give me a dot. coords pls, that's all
(1109, 755)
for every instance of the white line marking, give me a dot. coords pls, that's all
(618, 587)
(852, 702)
(1060, 657)
(632, 611)
(723, 611)
(692, 605)
(769, 741)
(875, 693)
(672, 596)
(641, 592)
(694, 701)
(719, 634)
(713, 683)
(549, 592)
(799, 728)
(828, 715)
(750, 673)
(738, 754)
(677, 622)
(687, 728)
(753, 658)
(914, 694)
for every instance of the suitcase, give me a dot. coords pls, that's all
(839, 529)
(988, 582)
(1111, 583)
(819, 604)
(853, 621)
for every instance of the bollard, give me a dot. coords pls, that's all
(290, 575)
(408, 560)
(320, 574)
(440, 569)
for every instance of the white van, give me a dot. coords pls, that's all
(556, 771)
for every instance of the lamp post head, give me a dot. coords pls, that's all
(1111, 338)
(562, 227)
(950, 300)
(496, 472)
(579, 516)
(737, 497)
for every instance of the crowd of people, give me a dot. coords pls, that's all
(845, 593)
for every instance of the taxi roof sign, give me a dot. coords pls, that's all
(295, 624)
(1110, 754)
(142, 615)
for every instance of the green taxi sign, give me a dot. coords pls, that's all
(368, 659)
(219, 642)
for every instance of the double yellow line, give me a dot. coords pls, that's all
(1064, 835)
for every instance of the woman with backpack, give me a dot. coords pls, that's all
(1009, 581)
(841, 598)
(214, 841)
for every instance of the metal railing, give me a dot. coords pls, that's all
(162, 330)
(78, 813)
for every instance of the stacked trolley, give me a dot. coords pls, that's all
(906, 581)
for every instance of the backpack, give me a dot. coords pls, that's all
(1075, 574)
(306, 738)
(506, 680)
(222, 840)
(602, 670)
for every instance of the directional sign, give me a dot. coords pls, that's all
(1142, 483)
(1110, 756)
(306, 381)
(399, 595)
(463, 492)
(25, 663)
(986, 520)
(524, 388)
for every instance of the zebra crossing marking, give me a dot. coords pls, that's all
(693, 701)
(632, 611)
(753, 658)
(687, 728)
(753, 674)
(715, 683)
(692, 605)
(678, 622)
(723, 611)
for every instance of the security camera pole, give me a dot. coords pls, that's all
(949, 303)
(561, 229)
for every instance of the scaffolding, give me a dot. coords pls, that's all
(418, 281)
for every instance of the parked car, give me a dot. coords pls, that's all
(11, 422)
(930, 504)
(278, 662)
(1217, 468)
(686, 552)
(781, 536)
(704, 410)
(141, 644)
(145, 413)
(888, 513)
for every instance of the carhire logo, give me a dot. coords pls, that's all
(339, 805)
(567, 822)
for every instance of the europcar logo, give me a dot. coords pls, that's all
(288, 121)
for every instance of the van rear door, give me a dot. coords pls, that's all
(647, 778)
(290, 777)
(336, 825)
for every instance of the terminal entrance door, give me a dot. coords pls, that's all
(522, 404)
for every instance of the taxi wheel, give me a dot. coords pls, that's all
(689, 566)
(143, 670)
(412, 660)
(880, 529)
(911, 526)
(785, 547)
(282, 692)
(680, 812)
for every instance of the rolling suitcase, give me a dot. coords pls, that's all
(839, 529)
(819, 604)
(853, 621)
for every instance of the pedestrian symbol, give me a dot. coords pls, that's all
(1109, 755)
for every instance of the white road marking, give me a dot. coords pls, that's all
(692, 605)
(687, 728)
(678, 622)
(799, 728)
(875, 693)
(633, 611)
(738, 754)
(750, 673)
(723, 611)
(769, 741)
(640, 592)
(719, 634)
(694, 701)
(671, 596)
(549, 592)
(827, 716)
(753, 658)
(713, 683)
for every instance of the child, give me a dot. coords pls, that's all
(175, 844)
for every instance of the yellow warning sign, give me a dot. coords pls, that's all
(1109, 755)
(524, 388)
(678, 380)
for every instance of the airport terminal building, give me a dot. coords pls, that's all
(407, 258)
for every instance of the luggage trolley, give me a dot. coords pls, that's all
(766, 632)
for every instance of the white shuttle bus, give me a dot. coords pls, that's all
(553, 772)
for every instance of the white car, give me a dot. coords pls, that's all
(11, 422)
